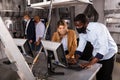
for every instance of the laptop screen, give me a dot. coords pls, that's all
(61, 55)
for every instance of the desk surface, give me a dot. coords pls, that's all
(85, 74)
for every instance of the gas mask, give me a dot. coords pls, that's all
(81, 30)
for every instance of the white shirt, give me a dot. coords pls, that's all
(100, 38)
(40, 30)
(64, 41)
(27, 26)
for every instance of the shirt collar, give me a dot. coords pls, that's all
(28, 21)
(88, 28)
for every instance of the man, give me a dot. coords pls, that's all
(104, 47)
(30, 30)
(40, 30)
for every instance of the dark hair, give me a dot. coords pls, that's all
(61, 22)
(82, 18)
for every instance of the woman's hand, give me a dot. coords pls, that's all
(71, 61)
(67, 56)
(30, 41)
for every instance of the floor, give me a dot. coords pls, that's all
(7, 73)
(116, 70)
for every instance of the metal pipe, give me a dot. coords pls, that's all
(48, 24)
(29, 3)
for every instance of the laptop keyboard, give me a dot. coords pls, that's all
(76, 67)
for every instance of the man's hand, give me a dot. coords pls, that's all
(30, 41)
(86, 65)
(37, 43)
(89, 64)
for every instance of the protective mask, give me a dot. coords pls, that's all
(25, 20)
(81, 30)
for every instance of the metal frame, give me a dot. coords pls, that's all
(58, 3)
(14, 55)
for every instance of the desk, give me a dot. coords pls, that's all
(40, 69)
(87, 74)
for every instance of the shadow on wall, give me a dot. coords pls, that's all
(91, 13)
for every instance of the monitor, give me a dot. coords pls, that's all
(23, 46)
(57, 50)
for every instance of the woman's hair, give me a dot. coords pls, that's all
(61, 22)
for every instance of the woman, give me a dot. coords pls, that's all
(67, 37)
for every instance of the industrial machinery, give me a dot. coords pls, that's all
(13, 53)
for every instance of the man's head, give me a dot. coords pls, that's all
(36, 19)
(80, 22)
(26, 17)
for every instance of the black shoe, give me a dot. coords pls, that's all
(7, 62)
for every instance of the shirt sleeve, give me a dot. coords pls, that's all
(82, 42)
(40, 30)
(102, 41)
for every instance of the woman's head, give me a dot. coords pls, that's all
(62, 27)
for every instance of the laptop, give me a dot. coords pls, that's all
(56, 49)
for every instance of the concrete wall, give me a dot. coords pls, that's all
(112, 10)
(98, 5)
(112, 4)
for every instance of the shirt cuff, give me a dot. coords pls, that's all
(99, 56)
(78, 52)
